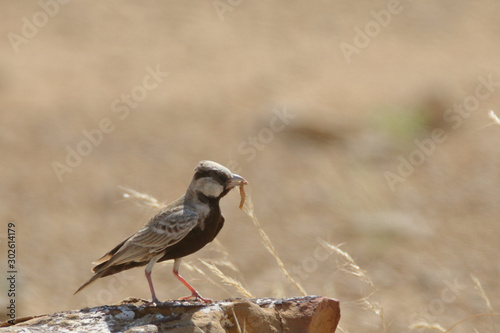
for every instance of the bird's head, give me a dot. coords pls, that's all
(212, 180)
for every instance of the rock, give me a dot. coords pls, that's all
(311, 314)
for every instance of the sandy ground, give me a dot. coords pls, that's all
(360, 124)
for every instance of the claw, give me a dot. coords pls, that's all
(154, 302)
(194, 293)
(197, 297)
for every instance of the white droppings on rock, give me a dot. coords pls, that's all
(125, 314)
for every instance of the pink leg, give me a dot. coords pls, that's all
(153, 294)
(147, 272)
(194, 293)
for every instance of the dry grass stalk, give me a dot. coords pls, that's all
(472, 317)
(483, 295)
(480, 289)
(198, 328)
(341, 329)
(493, 116)
(228, 260)
(146, 199)
(225, 263)
(352, 268)
(194, 268)
(226, 279)
(435, 327)
(248, 208)
(238, 323)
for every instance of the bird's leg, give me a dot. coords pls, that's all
(153, 295)
(194, 293)
(147, 272)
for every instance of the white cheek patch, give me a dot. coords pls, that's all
(209, 187)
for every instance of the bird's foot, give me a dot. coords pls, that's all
(197, 297)
(154, 302)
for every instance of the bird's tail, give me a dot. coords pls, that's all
(107, 268)
(91, 280)
(102, 268)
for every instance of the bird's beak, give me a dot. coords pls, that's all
(236, 180)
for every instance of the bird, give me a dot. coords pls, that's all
(177, 230)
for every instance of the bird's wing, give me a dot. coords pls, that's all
(163, 230)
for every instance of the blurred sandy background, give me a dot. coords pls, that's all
(320, 174)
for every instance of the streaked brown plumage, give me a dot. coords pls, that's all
(179, 229)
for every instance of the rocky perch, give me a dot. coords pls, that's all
(294, 315)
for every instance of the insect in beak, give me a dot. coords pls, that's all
(236, 180)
